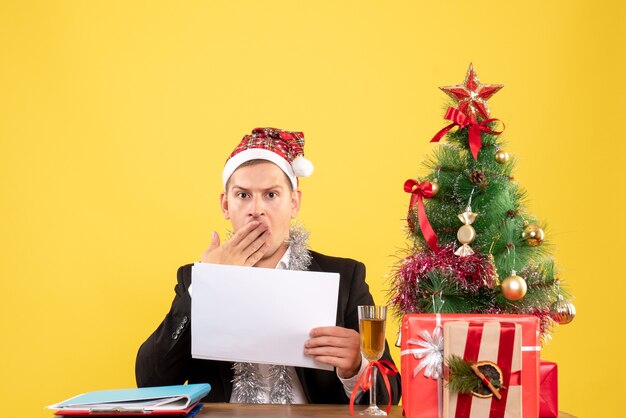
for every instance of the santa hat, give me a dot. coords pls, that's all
(283, 148)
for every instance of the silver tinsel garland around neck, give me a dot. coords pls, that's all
(248, 385)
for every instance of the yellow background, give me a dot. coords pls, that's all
(116, 118)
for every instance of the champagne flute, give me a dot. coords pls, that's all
(372, 333)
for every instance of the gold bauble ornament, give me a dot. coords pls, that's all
(533, 235)
(563, 312)
(502, 156)
(434, 187)
(514, 287)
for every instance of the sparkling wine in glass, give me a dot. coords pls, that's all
(372, 332)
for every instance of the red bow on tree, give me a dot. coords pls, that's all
(386, 368)
(461, 120)
(418, 192)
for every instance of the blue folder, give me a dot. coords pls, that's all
(159, 398)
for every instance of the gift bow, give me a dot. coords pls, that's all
(418, 192)
(461, 120)
(430, 355)
(386, 368)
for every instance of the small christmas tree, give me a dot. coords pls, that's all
(475, 249)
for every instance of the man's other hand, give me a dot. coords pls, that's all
(245, 248)
(336, 346)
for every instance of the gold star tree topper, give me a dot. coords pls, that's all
(471, 96)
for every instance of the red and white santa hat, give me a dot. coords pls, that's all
(283, 148)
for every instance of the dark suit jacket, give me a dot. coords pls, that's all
(165, 357)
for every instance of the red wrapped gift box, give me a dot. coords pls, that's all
(422, 350)
(497, 342)
(548, 390)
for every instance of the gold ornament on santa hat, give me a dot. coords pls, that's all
(562, 312)
(501, 156)
(514, 287)
(533, 235)
(466, 234)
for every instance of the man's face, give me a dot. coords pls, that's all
(261, 192)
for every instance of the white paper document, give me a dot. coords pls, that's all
(259, 315)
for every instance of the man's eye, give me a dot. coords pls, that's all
(242, 195)
(272, 195)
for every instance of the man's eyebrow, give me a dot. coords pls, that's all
(234, 186)
(273, 187)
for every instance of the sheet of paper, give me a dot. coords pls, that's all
(259, 315)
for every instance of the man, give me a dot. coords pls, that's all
(260, 199)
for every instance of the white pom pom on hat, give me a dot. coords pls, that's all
(302, 167)
(283, 148)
